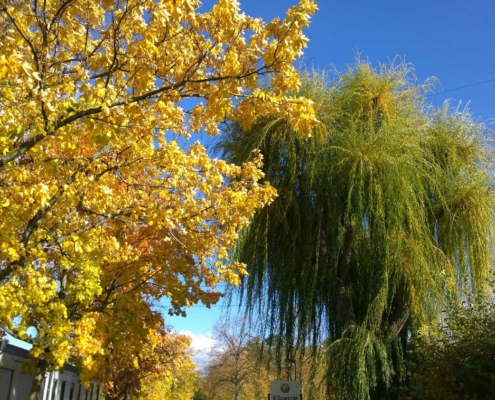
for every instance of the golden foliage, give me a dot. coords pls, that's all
(150, 367)
(97, 207)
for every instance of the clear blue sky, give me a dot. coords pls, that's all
(452, 40)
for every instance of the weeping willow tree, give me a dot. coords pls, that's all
(388, 200)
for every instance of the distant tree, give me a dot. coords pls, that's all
(243, 365)
(149, 370)
(180, 382)
(388, 200)
(231, 365)
(233, 372)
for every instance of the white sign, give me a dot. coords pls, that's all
(284, 390)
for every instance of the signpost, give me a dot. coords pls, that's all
(284, 390)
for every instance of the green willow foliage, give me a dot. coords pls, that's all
(387, 200)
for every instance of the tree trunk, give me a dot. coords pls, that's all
(400, 311)
(237, 390)
(344, 311)
(39, 373)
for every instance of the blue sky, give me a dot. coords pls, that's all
(451, 40)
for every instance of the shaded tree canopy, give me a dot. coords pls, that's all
(456, 358)
(388, 199)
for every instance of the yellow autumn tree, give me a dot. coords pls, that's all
(98, 206)
(157, 365)
(178, 381)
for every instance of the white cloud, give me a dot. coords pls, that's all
(201, 345)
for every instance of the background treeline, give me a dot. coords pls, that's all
(452, 359)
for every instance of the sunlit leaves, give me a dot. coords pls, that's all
(96, 203)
